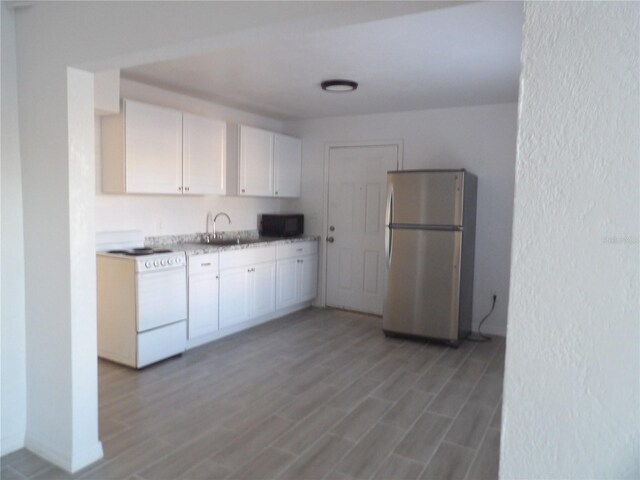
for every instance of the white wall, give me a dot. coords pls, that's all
(170, 214)
(12, 330)
(480, 139)
(572, 384)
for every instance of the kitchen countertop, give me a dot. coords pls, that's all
(192, 248)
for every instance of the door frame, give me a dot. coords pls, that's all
(398, 143)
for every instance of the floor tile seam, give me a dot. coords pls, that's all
(437, 392)
(479, 449)
(98, 466)
(299, 422)
(42, 469)
(450, 419)
(184, 446)
(356, 443)
(384, 381)
(376, 422)
(342, 389)
(391, 454)
(474, 386)
(329, 434)
(20, 476)
(417, 416)
(249, 459)
(287, 464)
(484, 433)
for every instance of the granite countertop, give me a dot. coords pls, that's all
(192, 247)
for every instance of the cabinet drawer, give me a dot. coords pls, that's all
(247, 256)
(203, 263)
(297, 249)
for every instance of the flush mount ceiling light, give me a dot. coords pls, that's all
(337, 85)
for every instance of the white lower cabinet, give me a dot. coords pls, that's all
(262, 289)
(297, 278)
(203, 295)
(307, 278)
(234, 296)
(286, 283)
(234, 287)
(247, 284)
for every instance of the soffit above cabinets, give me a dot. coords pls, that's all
(460, 55)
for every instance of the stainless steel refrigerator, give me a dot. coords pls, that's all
(430, 243)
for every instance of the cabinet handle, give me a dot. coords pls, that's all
(217, 277)
(276, 192)
(208, 264)
(186, 188)
(298, 249)
(179, 189)
(243, 190)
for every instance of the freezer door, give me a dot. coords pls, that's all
(423, 283)
(426, 198)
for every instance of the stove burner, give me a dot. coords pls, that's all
(136, 252)
(142, 251)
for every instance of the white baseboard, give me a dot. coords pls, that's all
(196, 342)
(71, 463)
(11, 443)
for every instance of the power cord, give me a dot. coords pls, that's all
(480, 337)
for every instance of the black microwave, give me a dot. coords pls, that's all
(281, 225)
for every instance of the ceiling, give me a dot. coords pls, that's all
(464, 54)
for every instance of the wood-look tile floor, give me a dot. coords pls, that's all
(317, 394)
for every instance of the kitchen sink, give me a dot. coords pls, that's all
(231, 241)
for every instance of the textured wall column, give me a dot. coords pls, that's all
(572, 384)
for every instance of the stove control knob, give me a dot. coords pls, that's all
(170, 261)
(178, 260)
(147, 264)
(156, 263)
(163, 261)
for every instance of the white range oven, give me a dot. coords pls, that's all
(142, 300)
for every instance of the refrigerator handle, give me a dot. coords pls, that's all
(388, 233)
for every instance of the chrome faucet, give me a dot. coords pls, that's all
(215, 235)
(207, 237)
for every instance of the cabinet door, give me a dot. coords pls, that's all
(287, 166)
(203, 304)
(256, 162)
(203, 155)
(286, 286)
(307, 278)
(153, 149)
(234, 296)
(263, 289)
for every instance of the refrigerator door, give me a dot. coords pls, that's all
(426, 198)
(423, 283)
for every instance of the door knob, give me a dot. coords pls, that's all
(330, 239)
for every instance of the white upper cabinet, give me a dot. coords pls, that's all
(262, 163)
(287, 166)
(151, 149)
(203, 155)
(256, 162)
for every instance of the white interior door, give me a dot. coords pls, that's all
(357, 195)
